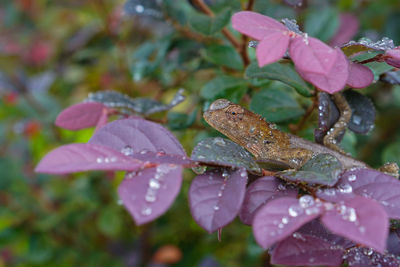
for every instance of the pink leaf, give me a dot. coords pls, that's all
(255, 25)
(393, 57)
(359, 219)
(259, 193)
(360, 76)
(333, 81)
(348, 27)
(81, 116)
(135, 135)
(85, 157)
(306, 250)
(216, 197)
(280, 217)
(272, 48)
(148, 194)
(311, 55)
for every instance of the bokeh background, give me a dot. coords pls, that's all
(53, 53)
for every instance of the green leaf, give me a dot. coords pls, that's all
(322, 169)
(210, 25)
(275, 104)
(280, 72)
(109, 221)
(178, 121)
(218, 87)
(392, 153)
(322, 24)
(223, 55)
(223, 152)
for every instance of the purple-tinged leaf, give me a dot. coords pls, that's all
(376, 185)
(81, 116)
(279, 218)
(215, 197)
(272, 48)
(85, 157)
(392, 57)
(393, 242)
(149, 193)
(306, 250)
(255, 25)
(348, 27)
(359, 219)
(259, 193)
(135, 135)
(333, 81)
(223, 152)
(316, 229)
(321, 169)
(163, 158)
(363, 257)
(392, 77)
(360, 76)
(311, 55)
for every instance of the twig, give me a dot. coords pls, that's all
(250, 5)
(206, 10)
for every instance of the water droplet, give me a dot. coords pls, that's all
(356, 119)
(146, 211)
(243, 174)
(285, 220)
(220, 194)
(99, 160)
(345, 188)
(298, 236)
(216, 208)
(252, 129)
(352, 178)
(361, 229)
(225, 174)
(150, 197)
(219, 141)
(295, 210)
(154, 184)
(161, 153)
(120, 202)
(139, 9)
(144, 151)
(306, 201)
(106, 160)
(281, 225)
(127, 151)
(312, 210)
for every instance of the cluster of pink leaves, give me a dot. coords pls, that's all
(358, 208)
(325, 67)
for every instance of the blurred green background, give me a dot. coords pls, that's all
(53, 53)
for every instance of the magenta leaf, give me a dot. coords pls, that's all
(149, 193)
(272, 48)
(393, 57)
(135, 135)
(363, 257)
(334, 80)
(360, 76)
(280, 217)
(348, 27)
(306, 250)
(311, 55)
(216, 197)
(255, 25)
(85, 157)
(260, 192)
(162, 158)
(359, 219)
(81, 116)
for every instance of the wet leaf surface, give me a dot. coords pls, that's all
(322, 169)
(361, 257)
(259, 193)
(149, 193)
(328, 115)
(223, 152)
(363, 112)
(215, 197)
(365, 44)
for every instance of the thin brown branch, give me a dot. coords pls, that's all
(296, 128)
(206, 10)
(250, 5)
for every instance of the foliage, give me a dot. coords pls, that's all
(141, 69)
